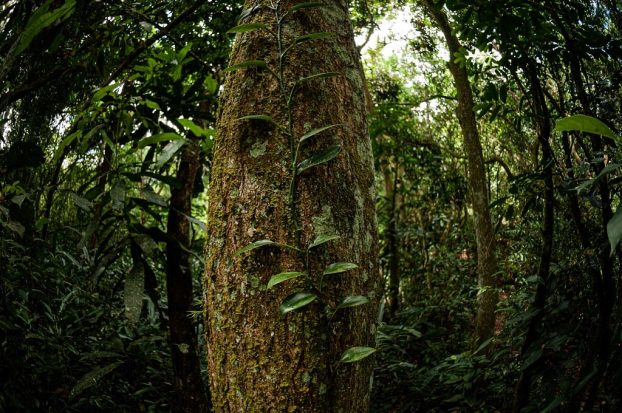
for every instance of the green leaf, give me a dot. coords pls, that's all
(168, 151)
(90, 378)
(160, 137)
(319, 158)
(97, 96)
(296, 301)
(152, 105)
(307, 5)
(133, 292)
(587, 124)
(257, 117)
(83, 203)
(322, 239)
(339, 267)
(66, 142)
(283, 276)
(254, 245)
(16, 227)
(117, 194)
(353, 301)
(243, 28)
(314, 132)
(319, 76)
(314, 36)
(41, 19)
(356, 353)
(194, 128)
(247, 64)
(614, 230)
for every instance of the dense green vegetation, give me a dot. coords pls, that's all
(108, 125)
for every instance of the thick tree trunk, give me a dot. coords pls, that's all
(487, 265)
(191, 393)
(259, 361)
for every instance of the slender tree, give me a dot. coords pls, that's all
(487, 265)
(292, 165)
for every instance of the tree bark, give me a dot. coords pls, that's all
(487, 265)
(192, 395)
(257, 360)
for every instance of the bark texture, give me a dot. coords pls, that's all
(191, 393)
(259, 361)
(487, 265)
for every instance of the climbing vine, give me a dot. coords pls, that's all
(314, 288)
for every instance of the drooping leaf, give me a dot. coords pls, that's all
(319, 76)
(307, 5)
(16, 227)
(245, 65)
(41, 19)
(248, 27)
(314, 36)
(160, 137)
(614, 230)
(314, 132)
(133, 292)
(322, 239)
(319, 158)
(356, 353)
(283, 276)
(584, 123)
(83, 203)
(296, 301)
(339, 267)
(353, 301)
(90, 378)
(150, 196)
(117, 194)
(168, 151)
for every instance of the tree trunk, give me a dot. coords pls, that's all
(191, 393)
(391, 249)
(487, 265)
(259, 361)
(543, 127)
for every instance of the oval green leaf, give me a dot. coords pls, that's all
(283, 276)
(356, 353)
(353, 301)
(249, 27)
(254, 245)
(339, 267)
(314, 132)
(245, 65)
(614, 230)
(322, 239)
(584, 123)
(319, 158)
(296, 301)
(160, 137)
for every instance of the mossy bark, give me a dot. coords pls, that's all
(487, 265)
(259, 361)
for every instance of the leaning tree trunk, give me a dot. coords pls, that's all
(260, 190)
(487, 265)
